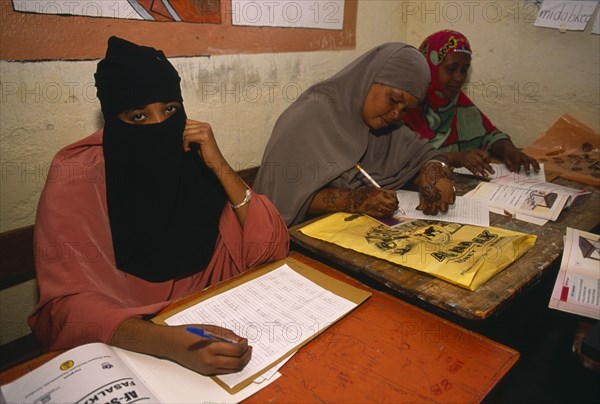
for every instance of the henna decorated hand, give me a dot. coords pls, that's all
(372, 201)
(436, 191)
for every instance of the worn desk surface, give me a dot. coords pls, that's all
(385, 350)
(482, 303)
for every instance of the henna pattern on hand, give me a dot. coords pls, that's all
(373, 208)
(431, 193)
(434, 172)
(329, 198)
(358, 197)
(349, 204)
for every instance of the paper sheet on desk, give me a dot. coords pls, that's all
(502, 174)
(465, 210)
(521, 200)
(180, 385)
(279, 310)
(525, 218)
(465, 255)
(542, 200)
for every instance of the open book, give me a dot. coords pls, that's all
(279, 307)
(528, 197)
(100, 373)
(577, 287)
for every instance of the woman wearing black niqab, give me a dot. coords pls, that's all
(163, 216)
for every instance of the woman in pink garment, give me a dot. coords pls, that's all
(141, 213)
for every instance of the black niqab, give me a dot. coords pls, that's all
(164, 204)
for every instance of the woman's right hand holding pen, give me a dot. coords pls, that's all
(212, 356)
(207, 356)
(372, 201)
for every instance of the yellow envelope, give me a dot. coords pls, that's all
(464, 255)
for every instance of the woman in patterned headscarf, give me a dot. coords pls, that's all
(450, 120)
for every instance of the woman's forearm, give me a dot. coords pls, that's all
(178, 345)
(137, 335)
(331, 200)
(235, 188)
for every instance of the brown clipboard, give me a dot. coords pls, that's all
(340, 288)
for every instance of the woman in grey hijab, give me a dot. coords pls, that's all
(355, 117)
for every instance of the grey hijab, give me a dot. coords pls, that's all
(318, 139)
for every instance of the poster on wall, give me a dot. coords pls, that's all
(189, 27)
(316, 14)
(319, 14)
(199, 11)
(572, 15)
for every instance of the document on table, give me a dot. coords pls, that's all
(529, 201)
(277, 312)
(465, 210)
(527, 197)
(577, 287)
(503, 175)
(99, 373)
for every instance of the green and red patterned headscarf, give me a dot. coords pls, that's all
(451, 124)
(435, 48)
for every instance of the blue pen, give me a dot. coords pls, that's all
(209, 335)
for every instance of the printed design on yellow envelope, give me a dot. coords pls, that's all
(404, 239)
(465, 255)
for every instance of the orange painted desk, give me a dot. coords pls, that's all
(383, 351)
(488, 299)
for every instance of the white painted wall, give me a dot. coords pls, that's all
(523, 77)
(47, 105)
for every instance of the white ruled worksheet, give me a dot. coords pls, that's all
(276, 312)
(473, 211)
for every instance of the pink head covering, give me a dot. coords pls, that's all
(435, 47)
